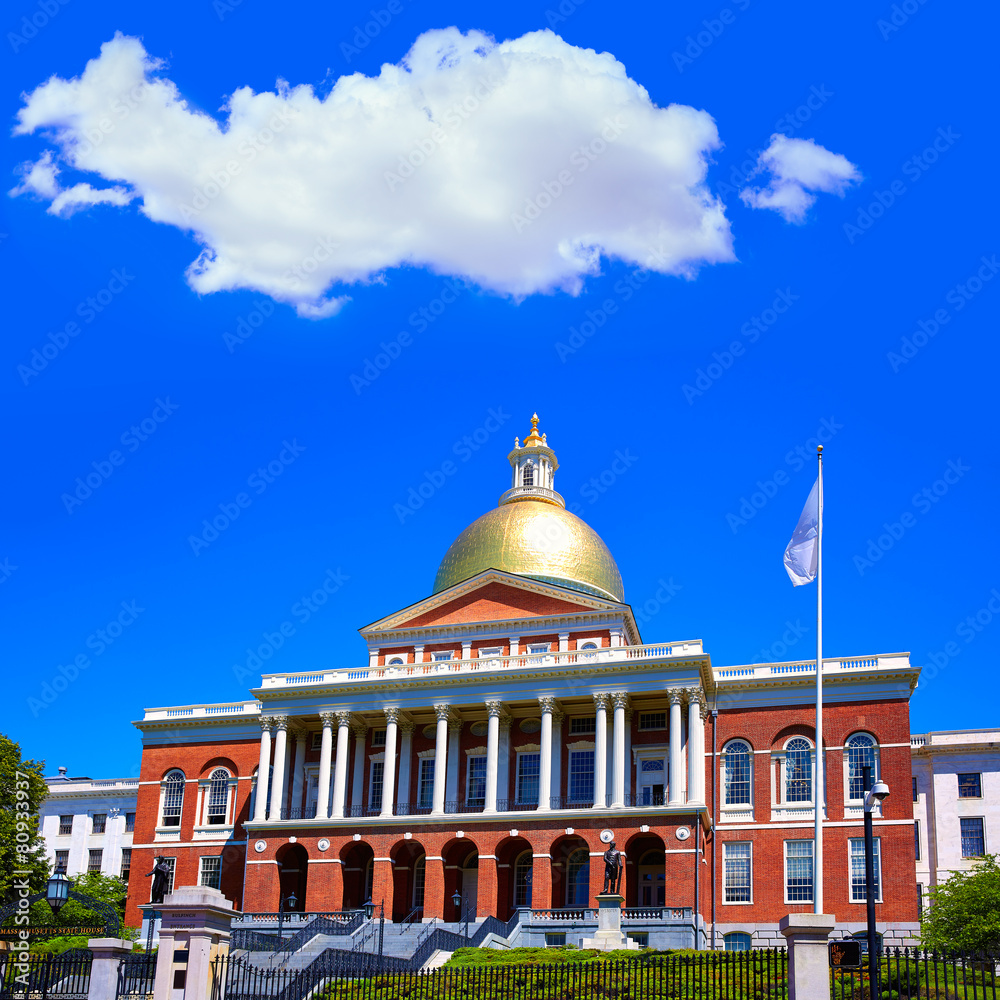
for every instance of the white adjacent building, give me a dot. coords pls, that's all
(87, 824)
(956, 801)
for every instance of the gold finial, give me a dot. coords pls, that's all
(534, 438)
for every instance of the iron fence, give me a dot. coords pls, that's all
(65, 976)
(136, 974)
(905, 972)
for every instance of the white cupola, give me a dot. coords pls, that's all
(533, 466)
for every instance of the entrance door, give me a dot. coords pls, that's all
(470, 890)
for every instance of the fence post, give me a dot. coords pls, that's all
(808, 935)
(108, 953)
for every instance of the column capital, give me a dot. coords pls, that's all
(266, 723)
(620, 699)
(494, 708)
(601, 701)
(280, 722)
(455, 725)
(675, 695)
(358, 726)
(343, 718)
(407, 726)
(391, 715)
(695, 696)
(547, 703)
(328, 718)
(558, 718)
(442, 712)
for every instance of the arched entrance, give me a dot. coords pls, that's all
(461, 875)
(408, 876)
(645, 871)
(515, 872)
(293, 871)
(358, 863)
(570, 872)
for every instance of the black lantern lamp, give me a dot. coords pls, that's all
(457, 899)
(291, 902)
(57, 891)
(369, 908)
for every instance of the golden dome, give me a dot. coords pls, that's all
(535, 539)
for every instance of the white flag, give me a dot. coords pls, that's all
(800, 556)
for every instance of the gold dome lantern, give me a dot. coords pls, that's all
(531, 533)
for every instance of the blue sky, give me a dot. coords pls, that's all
(871, 323)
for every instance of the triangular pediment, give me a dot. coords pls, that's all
(493, 596)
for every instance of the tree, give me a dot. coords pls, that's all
(964, 911)
(22, 849)
(104, 888)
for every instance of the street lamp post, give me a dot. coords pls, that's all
(57, 890)
(873, 794)
(281, 911)
(369, 909)
(459, 902)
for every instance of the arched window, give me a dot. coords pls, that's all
(396, 661)
(173, 798)
(798, 770)
(738, 770)
(523, 868)
(528, 475)
(369, 879)
(862, 752)
(578, 879)
(589, 645)
(217, 810)
(738, 941)
(419, 873)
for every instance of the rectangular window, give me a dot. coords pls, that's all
(555, 940)
(736, 866)
(211, 872)
(100, 822)
(582, 726)
(491, 650)
(970, 786)
(375, 796)
(126, 862)
(920, 900)
(130, 822)
(916, 839)
(858, 894)
(652, 720)
(581, 776)
(317, 741)
(94, 858)
(425, 791)
(914, 789)
(527, 777)
(62, 860)
(798, 871)
(378, 737)
(440, 657)
(538, 647)
(65, 824)
(475, 784)
(171, 864)
(973, 838)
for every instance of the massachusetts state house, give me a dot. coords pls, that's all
(502, 730)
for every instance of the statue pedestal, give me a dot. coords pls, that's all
(609, 936)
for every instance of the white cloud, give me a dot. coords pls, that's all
(517, 166)
(40, 179)
(798, 167)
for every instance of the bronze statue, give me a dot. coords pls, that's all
(161, 875)
(613, 868)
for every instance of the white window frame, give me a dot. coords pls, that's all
(584, 640)
(395, 661)
(860, 842)
(651, 752)
(205, 789)
(528, 751)
(781, 808)
(93, 824)
(538, 648)
(421, 767)
(443, 655)
(784, 870)
(986, 849)
(468, 777)
(162, 827)
(854, 808)
(218, 871)
(486, 652)
(99, 851)
(653, 729)
(737, 812)
(726, 845)
(376, 759)
(569, 773)
(171, 864)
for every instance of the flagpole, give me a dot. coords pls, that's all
(820, 756)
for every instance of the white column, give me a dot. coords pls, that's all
(418, 654)
(601, 751)
(494, 710)
(451, 785)
(515, 645)
(389, 767)
(557, 744)
(280, 745)
(373, 657)
(699, 749)
(357, 784)
(694, 757)
(503, 760)
(405, 753)
(563, 642)
(620, 701)
(676, 796)
(263, 768)
(548, 705)
(340, 767)
(299, 774)
(440, 758)
(628, 753)
(325, 754)
(467, 650)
